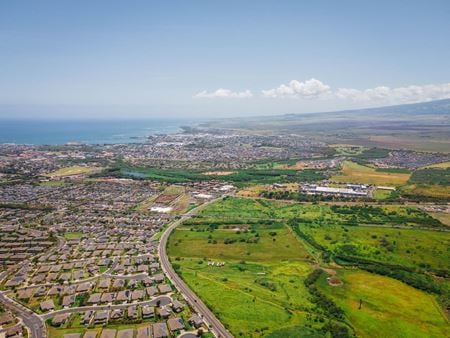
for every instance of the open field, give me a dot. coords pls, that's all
(265, 265)
(251, 299)
(282, 246)
(260, 287)
(409, 248)
(431, 176)
(380, 194)
(417, 143)
(433, 191)
(260, 290)
(443, 165)
(390, 308)
(236, 209)
(73, 235)
(355, 173)
(442, 216)
(73, 170)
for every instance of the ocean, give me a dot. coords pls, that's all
(53, 132)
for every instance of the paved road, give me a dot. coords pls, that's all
(216, 326)
(32, 321)
(164, 300)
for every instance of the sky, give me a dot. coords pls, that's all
(138, 59)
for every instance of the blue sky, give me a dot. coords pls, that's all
(219, 58)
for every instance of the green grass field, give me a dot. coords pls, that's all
(73, 235)
(251, 299)
(198, 244)
(389, 308)
(410, 248)
(260, 290)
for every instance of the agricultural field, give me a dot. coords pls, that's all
(356, 173)
(389, 307)
(73, 170)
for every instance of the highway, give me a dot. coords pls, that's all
(216, 326)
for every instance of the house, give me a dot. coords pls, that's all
(195, 321)
(13, 332)
(151, 290)
(104, 284)
(6, 318)
(175, 324)
(160, 330)
(116, 314)
(164, 288)
(101, 317)
(26, 293)
(47, 305)
(123, 296)
(137, 294)
(108, 333)
(87, 317)
(126, 333)
(147, 281)
(94, 298)
(55, 290)
(132, 312)
(163, 312)
(159, 278)
(177, 306)
(68, 300)
(40, 292)
(60, 319)
(148, 312)
(144, 332)
(108, 297)
(90, 334)
(83, 287)
(118, 284)
(65, 276)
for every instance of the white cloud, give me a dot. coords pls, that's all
(224, 93)
(316, 89)
(309, 89)
(384, 94)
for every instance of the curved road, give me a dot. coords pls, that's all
(34, 324)
(216, 326)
